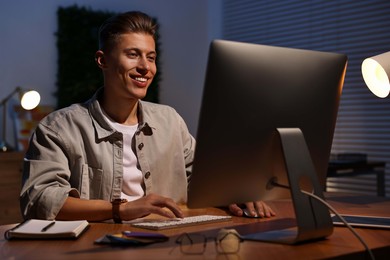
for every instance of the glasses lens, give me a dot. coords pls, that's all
(192, 243)
(228, 243)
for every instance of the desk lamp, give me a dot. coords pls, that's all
(376, 73)
(28, 100)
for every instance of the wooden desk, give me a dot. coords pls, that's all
(11, 164)
(341, 244)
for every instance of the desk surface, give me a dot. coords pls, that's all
(341, 244)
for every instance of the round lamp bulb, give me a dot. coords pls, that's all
(376, 78)
(30, 100)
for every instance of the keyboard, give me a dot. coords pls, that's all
(180, 222)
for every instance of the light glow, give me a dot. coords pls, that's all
(30, 100)
(376, 77)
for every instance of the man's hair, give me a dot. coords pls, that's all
(129, 22)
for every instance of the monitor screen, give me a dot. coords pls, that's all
(250, 91)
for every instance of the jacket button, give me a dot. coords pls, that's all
(140, 146)
(147, 175)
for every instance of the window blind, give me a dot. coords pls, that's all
(358, 29)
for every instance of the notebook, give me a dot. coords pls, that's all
(44, 229)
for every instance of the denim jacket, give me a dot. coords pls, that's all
(75, 152)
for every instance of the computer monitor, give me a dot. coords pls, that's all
(253, 96)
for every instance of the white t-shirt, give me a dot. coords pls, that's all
(132, 176)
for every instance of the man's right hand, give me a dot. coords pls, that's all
(150, 204)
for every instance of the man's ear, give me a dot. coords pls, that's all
(100, 59)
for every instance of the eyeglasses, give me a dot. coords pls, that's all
(227, 242)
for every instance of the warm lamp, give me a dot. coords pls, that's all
(28, 100)
(376, 73)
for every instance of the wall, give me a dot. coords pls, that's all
(359, 29)
(28, 54)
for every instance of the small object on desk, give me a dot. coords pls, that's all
(175, 223)
(363, 221)
(132, 238)
(44, 229)
(145, 235)
(248, 215)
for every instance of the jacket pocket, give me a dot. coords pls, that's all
(91, 186)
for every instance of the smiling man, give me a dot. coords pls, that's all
(114, 156)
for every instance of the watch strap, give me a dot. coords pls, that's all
(115, 209)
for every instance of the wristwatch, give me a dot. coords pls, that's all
(115, 209)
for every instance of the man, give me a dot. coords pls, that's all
(114, 156)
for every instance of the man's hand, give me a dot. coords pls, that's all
(149, 204)
(258, 208)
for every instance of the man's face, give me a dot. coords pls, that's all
(129, 67)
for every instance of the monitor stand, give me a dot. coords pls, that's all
(312, 217)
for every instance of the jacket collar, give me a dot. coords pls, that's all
(102, 127)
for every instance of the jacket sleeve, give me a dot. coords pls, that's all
(45, 182)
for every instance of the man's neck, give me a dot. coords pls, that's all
(121, 111)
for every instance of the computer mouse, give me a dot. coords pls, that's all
(248, 215)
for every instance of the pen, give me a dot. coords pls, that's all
(45, 228)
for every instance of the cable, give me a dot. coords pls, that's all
(343, 220)
(274, 182)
